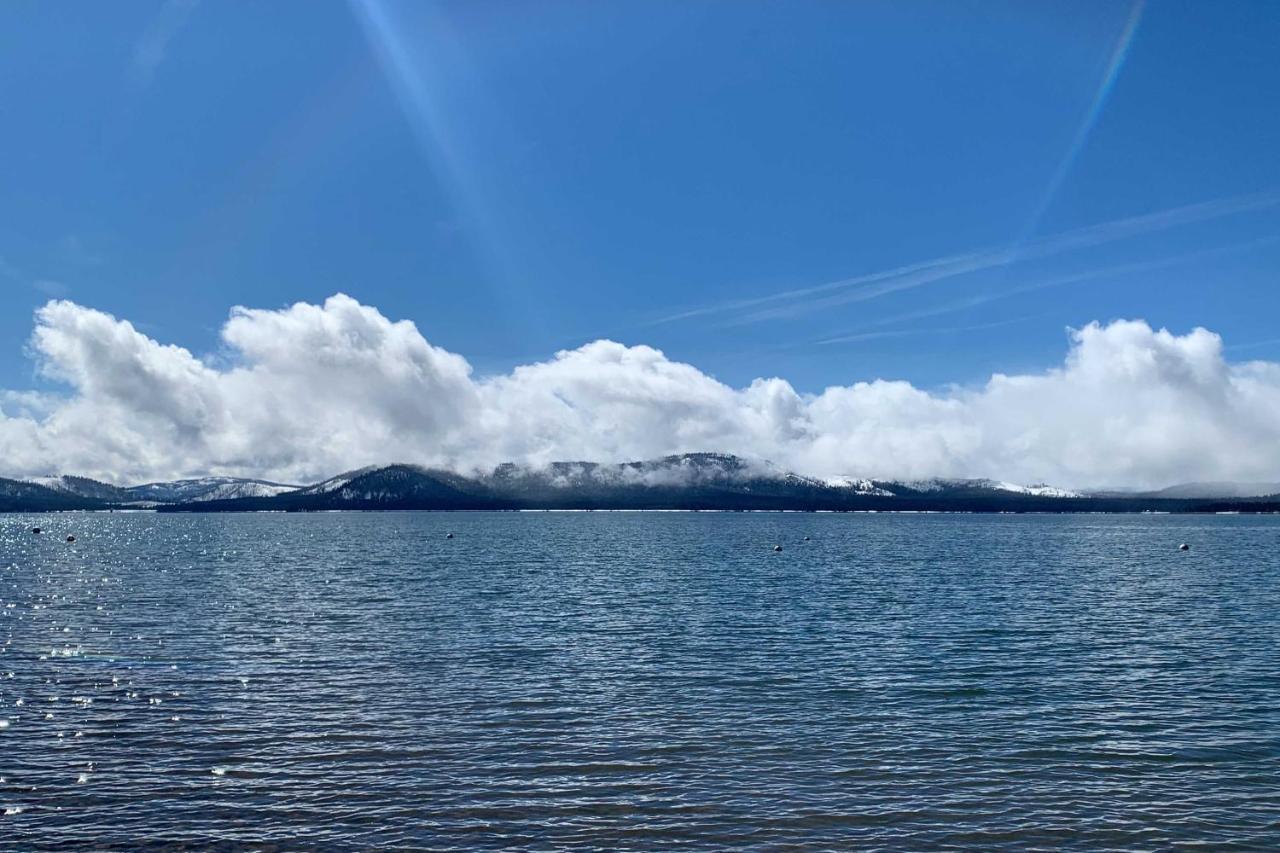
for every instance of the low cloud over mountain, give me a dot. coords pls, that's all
(315, 389)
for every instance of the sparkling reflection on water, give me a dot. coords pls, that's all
(639, 680)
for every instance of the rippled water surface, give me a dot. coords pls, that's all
(639, 680)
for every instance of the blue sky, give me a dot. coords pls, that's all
(518, 178)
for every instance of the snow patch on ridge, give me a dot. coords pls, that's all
(207, 489)
(861, 485)
(1039, 490)
(337, 483)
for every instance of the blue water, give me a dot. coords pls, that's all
(640, 680)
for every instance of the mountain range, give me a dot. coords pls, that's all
(691, 481)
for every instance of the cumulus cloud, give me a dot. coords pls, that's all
(315, 389)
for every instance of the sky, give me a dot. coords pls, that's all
(1027, 241)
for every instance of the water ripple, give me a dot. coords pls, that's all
(632, 681)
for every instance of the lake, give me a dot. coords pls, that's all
(639, 680)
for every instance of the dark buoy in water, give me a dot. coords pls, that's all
(448, 536)
(806, 538)
(1184, 547)
(71, 538)
(777, 547)
(35, 530)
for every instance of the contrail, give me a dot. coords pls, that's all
(1253, 344)
(908, 269)
(1060, 281)
(902, 333)
(910, 276)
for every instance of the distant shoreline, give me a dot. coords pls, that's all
(1270, 509)
(692, 482)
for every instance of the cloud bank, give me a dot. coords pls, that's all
(316, 389)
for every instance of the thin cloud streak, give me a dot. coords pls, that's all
(796, 293)
(1253, 344)
(1082, 238)
(911, 276)
(153, 46)
(947, 330)
(1074, 278)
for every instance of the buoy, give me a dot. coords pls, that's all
(1184, 547)
(806, 538)
(448, 536)
(777, 547)
(35, 530)
(71, 538)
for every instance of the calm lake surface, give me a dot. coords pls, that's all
(639, 680)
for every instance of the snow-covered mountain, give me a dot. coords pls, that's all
(860, 485)
(28, 496)
(1218, 490)
(334, 484)
(392, 485)
(940, 486)
(682, 470)
(683, 481)
(688, 480)
(83, 487)
(206, 489)
(698, 478)
(175, 491)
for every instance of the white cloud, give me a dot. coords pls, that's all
(315, 389)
